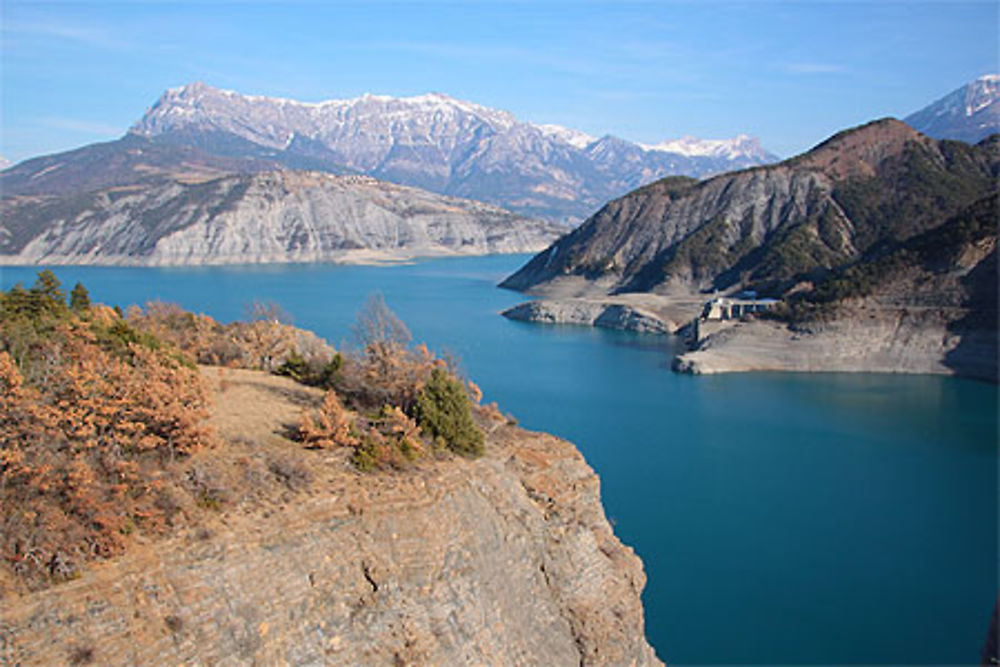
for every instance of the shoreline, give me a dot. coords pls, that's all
(898, 342)
(365, 257)
(573, 304)
(861, 339)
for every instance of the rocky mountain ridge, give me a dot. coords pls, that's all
(129, 161)
(875, 213)
(201, 217)
(439, 143)
(970, 113)
(770, 227)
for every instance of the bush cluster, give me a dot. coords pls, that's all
(101, 412)
(405, 402)
(92, 414)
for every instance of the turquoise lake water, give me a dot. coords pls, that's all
(782, 518)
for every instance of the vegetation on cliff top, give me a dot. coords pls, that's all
(103, 415)
(408, 403)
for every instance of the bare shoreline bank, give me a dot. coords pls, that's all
(863, 339)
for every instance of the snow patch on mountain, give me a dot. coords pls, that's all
(566, 135)
(739, 146)
(969, 113)
(437, 142)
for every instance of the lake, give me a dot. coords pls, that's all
(782, 518)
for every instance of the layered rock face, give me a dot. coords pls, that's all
(262, 217)
(589, 313)
(504, 560)
(864, 339)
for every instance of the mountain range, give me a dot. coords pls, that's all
(197, 134)
(439, 143)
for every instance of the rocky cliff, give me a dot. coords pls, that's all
(507, 559)
(203, 217)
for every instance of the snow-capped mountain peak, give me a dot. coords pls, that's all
(567, 135)
(981, 93)
(969, 113)
(436, 142)
(739, 146)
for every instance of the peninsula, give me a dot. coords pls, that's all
(880, 245)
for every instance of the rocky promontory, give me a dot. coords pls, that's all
(878, 242)
(589, 313)
(506, 559)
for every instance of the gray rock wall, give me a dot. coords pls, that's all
(505, 560)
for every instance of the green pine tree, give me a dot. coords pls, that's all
(79, 298)
(442, 411)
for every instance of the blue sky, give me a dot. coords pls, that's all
(790, 73)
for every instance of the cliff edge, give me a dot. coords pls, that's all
(506, 559)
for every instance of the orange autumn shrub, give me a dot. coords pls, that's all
(92, 416)
(391, 440)
(264, 341)
(331, 425)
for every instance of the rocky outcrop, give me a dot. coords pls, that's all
(589, 313)
(865, 340)
(507, 559)
(261, 217)
(879, 213)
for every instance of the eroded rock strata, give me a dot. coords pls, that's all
(507, 559)
(277, 216)
(589, 313)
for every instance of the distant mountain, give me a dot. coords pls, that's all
(4, 162)
(436, 142)
(203, 217)
(968, 114)
(772, 227)
(130, 160)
